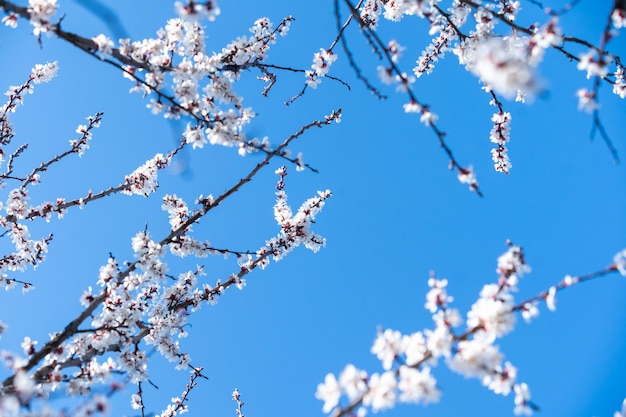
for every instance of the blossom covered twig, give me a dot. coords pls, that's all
(408, 360)
(129, 294)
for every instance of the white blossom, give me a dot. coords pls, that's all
(387, 346)
(417, 385)
(41, 12)
(619, 18)
(587, 100)
(467, 176)
(619, 88)
(492, 312)
(382, 391)
(10, 20)
(329, 392)
(104, 44)
(503, 64)
(353, 381)
(619, 260)
(42, 73)
(595, 67)
(143, 181)
(475, 358)
(522, 398)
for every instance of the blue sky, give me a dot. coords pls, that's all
(396, 214)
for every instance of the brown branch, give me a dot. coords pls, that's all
(453, 163)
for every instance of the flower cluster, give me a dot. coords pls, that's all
(505, 62)
(27, 251)
(295, 228)
(500, 134)
(619, 88)
(141, 305)
(502, 63)
(441, 43)
(587, 100)
(41, 13)
(202, 82)
(322, 61)
(81, 144)
(104, 45)
(467, 176)
(144, 180)
(595, 67)
(619, 262)
(407, 360)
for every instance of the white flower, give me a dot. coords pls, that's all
(299, 162)
(619, 261)
(475, 358)
(511, 265)
(522, 397)
(437, 296)
(467, 176)
(44, 73)
(322, 61)
(503, 380)
(104, 44)
(144, 180)
(594, 67)
(329, 392)
(417, 385)
(10, 20)
(395, 49)
(503, 64)
(353, 381)
(529, 311)
(439, 341)
(195, 136)
(387, 346)
(385, 74)
(619, 88)
(549, 35)
(312, 81)
(404, 82)
(619, 18)
(587, 100)
(569, 280)
(382, 391)
(428, 117)
(412, 107)
(414, 347)
(24, 386)
(28, 346)
(492, 312)
(41, 11)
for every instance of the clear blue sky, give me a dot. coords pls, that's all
(396, 214)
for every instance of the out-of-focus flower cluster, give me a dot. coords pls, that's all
(407, 360)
